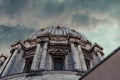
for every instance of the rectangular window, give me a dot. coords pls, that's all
(58, 63)
(87, 63)
(28, 64)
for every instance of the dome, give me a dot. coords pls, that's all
(51, 53)
(58, 31)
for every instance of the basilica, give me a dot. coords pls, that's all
(51, 53)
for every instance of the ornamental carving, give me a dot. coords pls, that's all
(59, 38)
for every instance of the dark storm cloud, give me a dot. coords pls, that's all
(46, 7)
(111, 7)
(10, 35)
(97, 5)
(28, 11)
(81, 18)
(85, 20)
(54, 7)
(13, 6)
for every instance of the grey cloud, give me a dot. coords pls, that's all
(85, 20)
(54, 7)
(28, 12)
(109, 7)
(82, 18)
(10, 35)
(12, 7)
(46, 8)
(98, 5)
(41, 11)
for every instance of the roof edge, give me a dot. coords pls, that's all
(112, 53)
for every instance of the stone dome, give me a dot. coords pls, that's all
(57, 31)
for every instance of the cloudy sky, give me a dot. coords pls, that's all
(98, 20)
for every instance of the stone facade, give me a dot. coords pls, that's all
(60, 51)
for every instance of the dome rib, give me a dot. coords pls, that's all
(57, 31)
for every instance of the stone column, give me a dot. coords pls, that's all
(11, 61)
(75, 57)
(49, 62)
(82, 59)
(35, 62)
(2, 67)
(91, 64)
(43, 57)
(99, 55)
(67, 63)
(95, 59)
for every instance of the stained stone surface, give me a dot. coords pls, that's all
(65, 75)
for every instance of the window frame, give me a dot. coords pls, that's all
(87, 61)
(28, 64)
(63, 62)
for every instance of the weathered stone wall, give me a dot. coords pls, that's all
(18, 65)
(69, 62)
(45, 76)
(39, 52)
(48, 64)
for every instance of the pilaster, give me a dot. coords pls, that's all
(75, 57)
(11, 60)
(82, 59)
(35, 62)
(100, 56)
(43, 57)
